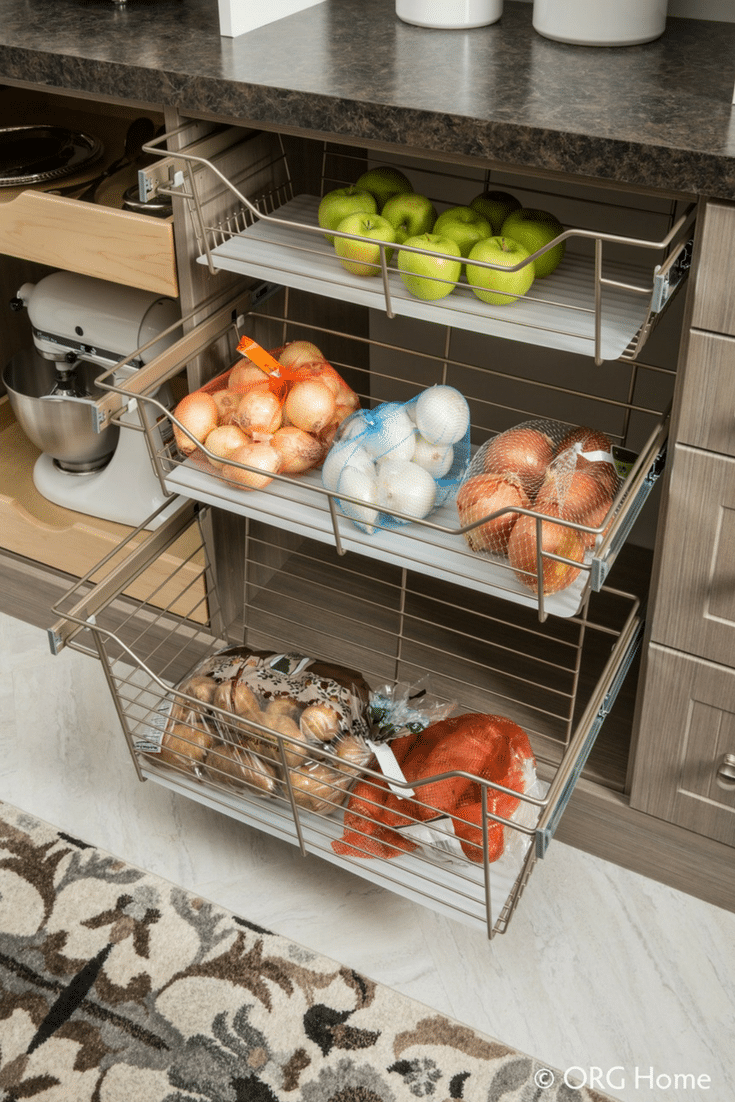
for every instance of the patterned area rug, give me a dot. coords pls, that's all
(117, 986)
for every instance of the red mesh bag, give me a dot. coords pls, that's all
(492, 748)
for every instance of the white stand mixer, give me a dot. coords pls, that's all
(77, 321)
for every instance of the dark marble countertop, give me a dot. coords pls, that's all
(657, 115)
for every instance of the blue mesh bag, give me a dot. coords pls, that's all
(400, 461)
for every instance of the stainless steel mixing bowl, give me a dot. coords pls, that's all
(62, 427)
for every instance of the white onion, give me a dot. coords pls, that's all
(198, 414)
(259, 410)
(404, 487)
(390, 431)
(262, 456)
(310, 405)
(343, 454)
(299, 450)
(222, 441)
(442, 414)
(437, 459)
(360, 484)
(353, 425)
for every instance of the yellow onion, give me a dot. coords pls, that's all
(310, 405)
(482, 495)
(222, 441)
(198, 414)
(245, 375)
(592, 440)
(226, 402)
(297, 353)
(259, 411)
(299, 450)
(575, 495)
(263, 457)
(524, 452)
(555, 538)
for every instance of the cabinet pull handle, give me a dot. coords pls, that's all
(726, 773)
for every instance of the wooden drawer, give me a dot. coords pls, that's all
(707, 401)
(697, 571)
(714, 302)
(687, 727)
(97, 239)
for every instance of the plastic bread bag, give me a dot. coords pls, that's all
(401, 457)
(179, 735)
(275, 411)
(446, 814)
(551, 471)
(282, 723)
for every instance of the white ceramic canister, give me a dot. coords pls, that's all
(600, 22)
(451, 15)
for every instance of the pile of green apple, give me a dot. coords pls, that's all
(384, 215)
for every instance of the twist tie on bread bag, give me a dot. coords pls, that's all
(398, 710)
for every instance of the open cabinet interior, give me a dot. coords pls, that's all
(284, 569)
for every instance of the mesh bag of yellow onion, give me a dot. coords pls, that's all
(271, 413)
(400, 461)
(264, 723)
(554, 473)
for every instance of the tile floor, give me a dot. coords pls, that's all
(600, 968)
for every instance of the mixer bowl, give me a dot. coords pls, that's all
(62, 427)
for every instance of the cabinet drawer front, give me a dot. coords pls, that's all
(695, 608)
(99, 241)
(707, 417)
(687, 727)
(714, 303)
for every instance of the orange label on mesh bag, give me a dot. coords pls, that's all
(248, 347)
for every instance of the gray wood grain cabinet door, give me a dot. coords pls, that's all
(714, 301)
(686, 730)
(707, 399)
(695, 608)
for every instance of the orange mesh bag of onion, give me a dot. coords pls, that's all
(540, 479)
(472, 748)
(274, 412)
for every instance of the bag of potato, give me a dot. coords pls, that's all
(276, 412)
(279, 724)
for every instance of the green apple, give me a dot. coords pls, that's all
(337, 204)
(495, 206)
(362, 258)
(534, 229)
(383, 183)
(499, 288)
(410, 214)
(430, 277)
(464, 225)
